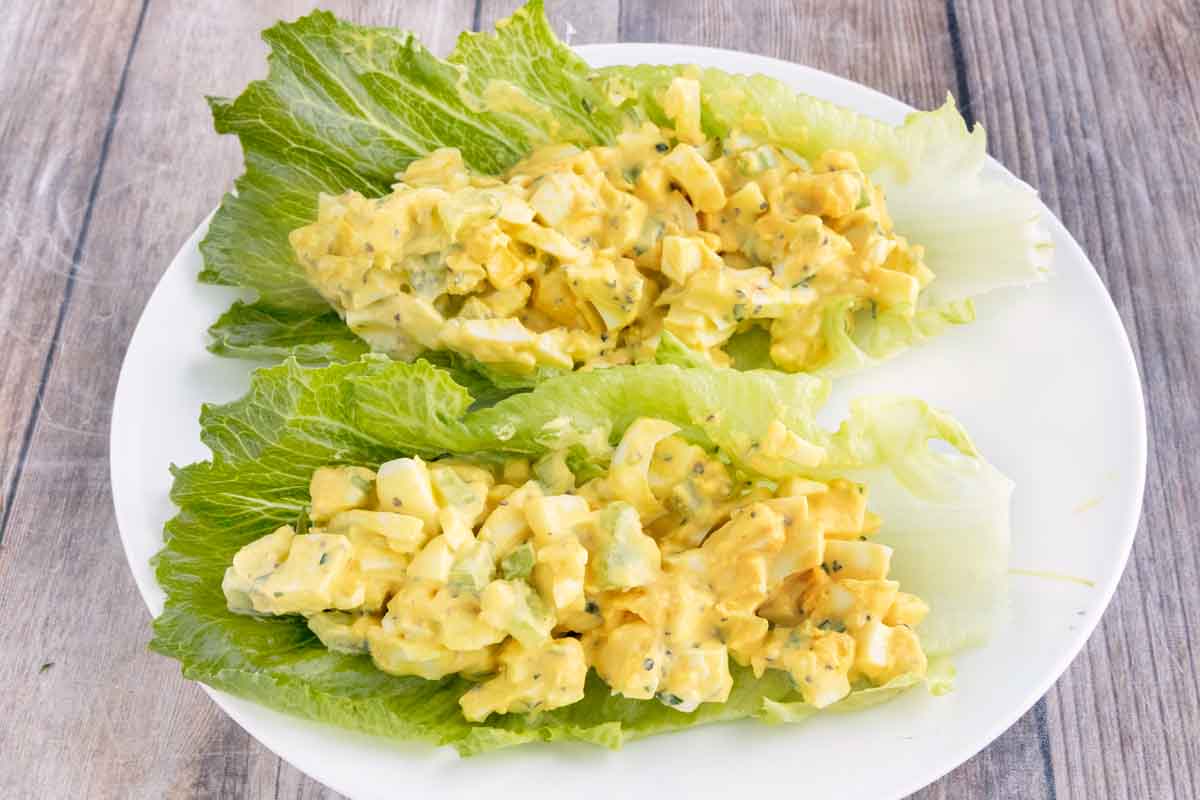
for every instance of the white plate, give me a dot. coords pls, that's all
(1044, 380)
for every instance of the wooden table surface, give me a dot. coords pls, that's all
(108, 161)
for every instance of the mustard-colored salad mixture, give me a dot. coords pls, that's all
(582, 257)
(654, 574)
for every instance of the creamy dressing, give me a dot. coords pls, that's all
(655, 574)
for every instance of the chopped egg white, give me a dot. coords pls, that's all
(577, 258)
(655, 574)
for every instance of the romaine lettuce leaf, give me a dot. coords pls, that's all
(263, 332)
(945, 511)
(951, 515)
(347, 107)
(486, 383)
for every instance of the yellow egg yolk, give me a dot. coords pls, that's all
(655, 574)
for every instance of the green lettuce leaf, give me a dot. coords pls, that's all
(347, 107)
(262, 332)
(710, 407)
(950, 522)
(861, 339)
(945, 511)
(487, 383)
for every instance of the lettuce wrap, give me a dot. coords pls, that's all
(346, 107)
(945, 512)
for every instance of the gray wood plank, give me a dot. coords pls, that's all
(576, 21)
(1099, 106)
(901, 48)
(108, 719)
(54, 114)
(437, 22)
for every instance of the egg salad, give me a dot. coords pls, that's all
(653, 574)
(581, 258)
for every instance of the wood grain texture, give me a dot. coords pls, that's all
(900, 48)
(575, 21)
(1099, 107)
(55, 111)
(87, 711)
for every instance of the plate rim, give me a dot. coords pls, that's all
(667, 53)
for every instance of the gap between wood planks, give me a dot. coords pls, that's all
(960, 65)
